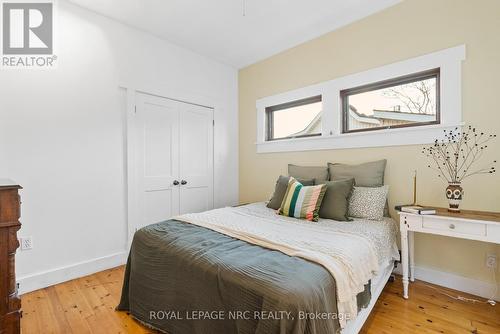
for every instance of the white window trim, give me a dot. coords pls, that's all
(450, 63)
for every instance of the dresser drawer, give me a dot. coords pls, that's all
(9, 206)
(459, 227)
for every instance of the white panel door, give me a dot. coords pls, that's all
(157, 129)
(196, 158)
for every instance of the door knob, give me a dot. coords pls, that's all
(176, 183)
(183, 182)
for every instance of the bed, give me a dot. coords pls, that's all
(205, 273)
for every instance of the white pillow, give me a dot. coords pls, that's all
(368, 202)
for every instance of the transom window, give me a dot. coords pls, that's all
(410, 100)
(296, 119)
(422, 96)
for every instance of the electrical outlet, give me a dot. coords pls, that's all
(26, 243)
(491, 261)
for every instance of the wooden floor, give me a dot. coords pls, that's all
(86, 305)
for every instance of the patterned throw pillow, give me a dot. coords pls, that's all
(301, 201)
(368, 203)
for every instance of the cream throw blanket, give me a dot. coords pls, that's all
(350, 258)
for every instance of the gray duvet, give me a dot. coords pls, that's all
(185, 279)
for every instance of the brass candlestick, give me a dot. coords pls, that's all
(415, 188)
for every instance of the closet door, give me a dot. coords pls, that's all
(196, 158)
(157, 131)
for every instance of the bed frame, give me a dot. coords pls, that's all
(378, 284)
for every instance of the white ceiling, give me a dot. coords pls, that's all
(218, 29)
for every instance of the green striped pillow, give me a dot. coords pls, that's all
(301, 201)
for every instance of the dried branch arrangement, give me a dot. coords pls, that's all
(455, 156)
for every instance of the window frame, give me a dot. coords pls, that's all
(287, 105)
(449, 61)
(405, 79)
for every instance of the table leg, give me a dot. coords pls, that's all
(411, 251)
(404, 257)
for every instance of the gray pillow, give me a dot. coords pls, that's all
(280, 190)
(369, 174)
(336, 201)
(318, 173)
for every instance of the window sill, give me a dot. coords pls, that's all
(377, 138)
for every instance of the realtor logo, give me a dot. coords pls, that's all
(27, 34)
(27, 28)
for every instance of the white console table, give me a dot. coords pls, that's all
(473, 225)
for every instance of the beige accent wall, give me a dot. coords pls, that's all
(409, 29)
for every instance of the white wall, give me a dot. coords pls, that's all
(63, 139)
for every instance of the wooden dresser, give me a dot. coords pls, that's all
(10, 303)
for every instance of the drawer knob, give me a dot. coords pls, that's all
(452, 226)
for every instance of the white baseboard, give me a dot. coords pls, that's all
(47, 278)
(454, 281)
